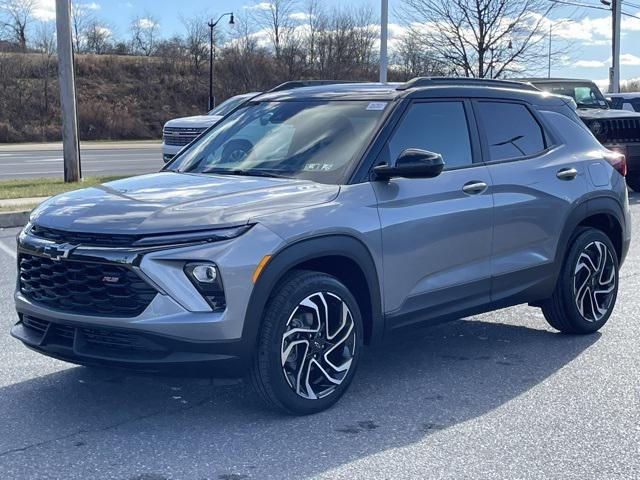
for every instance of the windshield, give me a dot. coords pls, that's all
(314, 140)
(228, 105)
(586, 95)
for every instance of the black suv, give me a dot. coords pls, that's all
(618, 130)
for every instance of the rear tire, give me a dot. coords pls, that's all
(633, 182)
(309, 344)
(587, 287)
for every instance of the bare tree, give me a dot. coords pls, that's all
(15, 17)
(413, 60)
(344, 44)
(81, 20)
(313, 11)
(197, 39)
(275, 18)
(480, 38)
(145, 31)
(45, 43)
(97, 37)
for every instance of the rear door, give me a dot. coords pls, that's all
(436, 232)
(536, 183)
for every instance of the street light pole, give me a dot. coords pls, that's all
(212, 25)
(384, 33)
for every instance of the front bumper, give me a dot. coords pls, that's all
(178, 331)
(138, 351)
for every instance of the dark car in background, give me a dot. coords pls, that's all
(629, 101)
(618, 130)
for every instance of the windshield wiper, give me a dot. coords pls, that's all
(244, 172)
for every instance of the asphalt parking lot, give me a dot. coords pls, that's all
(499, 396)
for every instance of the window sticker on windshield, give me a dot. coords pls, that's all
(318, 167)
(602, 102)
(376, 105)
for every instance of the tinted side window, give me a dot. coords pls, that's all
(440, 127)
(511, 130)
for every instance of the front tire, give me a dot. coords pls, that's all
(587, 288)
(309, 344)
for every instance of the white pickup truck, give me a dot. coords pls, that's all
(181, 131)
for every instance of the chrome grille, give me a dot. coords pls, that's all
(179, 136)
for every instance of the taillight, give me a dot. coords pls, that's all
(617, 161)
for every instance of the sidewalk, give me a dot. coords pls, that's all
(14, 212)
(18, 202)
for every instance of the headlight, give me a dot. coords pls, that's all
(206, 278)
(596, 127)
(192, 237)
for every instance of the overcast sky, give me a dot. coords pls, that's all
(588, 29)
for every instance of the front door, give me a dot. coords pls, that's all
(436, 232)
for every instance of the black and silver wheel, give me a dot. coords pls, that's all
(588, 285)
(594, 281)
(309, 344)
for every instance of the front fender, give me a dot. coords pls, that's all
(290, 256)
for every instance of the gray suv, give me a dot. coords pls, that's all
(314, 221)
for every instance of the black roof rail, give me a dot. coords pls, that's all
(290, 85)
(464, 81)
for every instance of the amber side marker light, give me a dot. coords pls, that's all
(263, 262)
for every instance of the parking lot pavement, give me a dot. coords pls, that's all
(499, 396)
(122, 158)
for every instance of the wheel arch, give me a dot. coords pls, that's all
(342, 256)
(605, 214)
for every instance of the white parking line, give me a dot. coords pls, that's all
(7, 250)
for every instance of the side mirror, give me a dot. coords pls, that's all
(412, 163)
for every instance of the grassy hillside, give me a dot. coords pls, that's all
(119, 97)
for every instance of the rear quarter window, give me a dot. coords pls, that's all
(569, 131)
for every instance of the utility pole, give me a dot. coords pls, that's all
(616, 21)
(384, 34)
(66, 78)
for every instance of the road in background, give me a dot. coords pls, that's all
(495, 396)
(99, 158)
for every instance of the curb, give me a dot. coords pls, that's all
(14, 219)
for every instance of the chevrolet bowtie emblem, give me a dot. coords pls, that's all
(57, 252)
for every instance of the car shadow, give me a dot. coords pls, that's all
(410, 387)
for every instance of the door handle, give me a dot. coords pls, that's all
(567, 173)
(474, 187)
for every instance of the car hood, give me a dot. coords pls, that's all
(169, 202)
(198, 121)
(601, 114)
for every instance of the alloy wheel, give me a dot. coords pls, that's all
(318, 345)
(594, 281)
